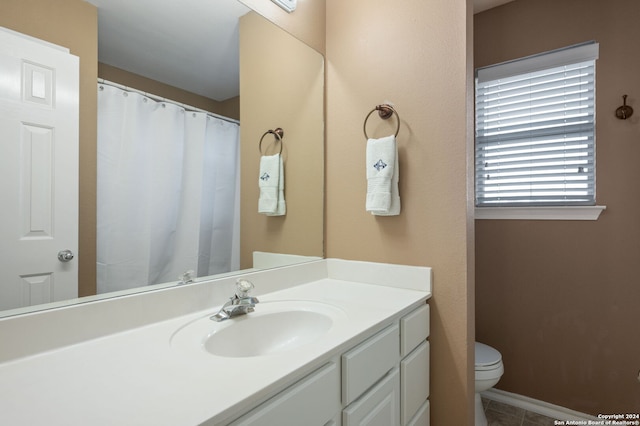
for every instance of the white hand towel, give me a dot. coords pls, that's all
(281, 208)
(271, 184)
(394, 209)
(382, 177)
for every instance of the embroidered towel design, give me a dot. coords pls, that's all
(380, 165)
(382, 177)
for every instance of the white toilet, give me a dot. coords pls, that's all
(489, 369)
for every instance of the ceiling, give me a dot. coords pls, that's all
(189, 44)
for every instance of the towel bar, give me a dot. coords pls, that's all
(279, 134)
(384, 111)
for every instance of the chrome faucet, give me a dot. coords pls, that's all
(239, 304)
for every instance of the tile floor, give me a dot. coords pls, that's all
(500, 414)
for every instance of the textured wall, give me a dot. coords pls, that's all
(307, 22)
(228, 108)
(414, 54)
(281, 85)
(559, 299)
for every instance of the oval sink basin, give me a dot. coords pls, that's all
(266, 334)
(273, 328)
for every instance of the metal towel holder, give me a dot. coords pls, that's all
(385, 111)
(278, 133)
(624, 111)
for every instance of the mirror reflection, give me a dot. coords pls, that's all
(160, 67)
(167, 192)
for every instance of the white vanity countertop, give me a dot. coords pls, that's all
(136, 377)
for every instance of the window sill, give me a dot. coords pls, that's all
(540, 213)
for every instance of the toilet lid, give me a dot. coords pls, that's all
(486, 355)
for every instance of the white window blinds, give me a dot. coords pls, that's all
(535, 130)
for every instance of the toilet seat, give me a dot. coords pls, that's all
(487, 358)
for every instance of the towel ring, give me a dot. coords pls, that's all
(384, 111)
(279, 133)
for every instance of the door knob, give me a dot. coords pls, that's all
(65, 255)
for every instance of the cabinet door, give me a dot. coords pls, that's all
(312, 401)
(414, 373)
(380, 406)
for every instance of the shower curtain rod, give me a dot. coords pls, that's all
(161, 99)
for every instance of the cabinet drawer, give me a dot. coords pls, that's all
(365, 364)
(414, 374)
(314, 400)
(414, 329)
(379, 406)
(422, 417)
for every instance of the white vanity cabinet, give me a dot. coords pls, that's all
(414, 367)
(311, 401)
(396, 362)
(383, 380)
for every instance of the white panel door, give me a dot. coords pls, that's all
(39, 163)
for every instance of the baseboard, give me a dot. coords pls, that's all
(540, 407)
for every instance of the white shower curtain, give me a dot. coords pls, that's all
(167, 195)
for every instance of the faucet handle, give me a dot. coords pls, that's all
(243, 287)
(186, 277)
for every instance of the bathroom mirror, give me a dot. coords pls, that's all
(299, 234)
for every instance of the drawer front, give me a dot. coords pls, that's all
(337, 421)
(368, 362)
(422, 417)
(414, 374)
(414, 329)
(314, 400)
(379, 406)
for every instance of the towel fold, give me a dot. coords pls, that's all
(383, 197)
(271, 183)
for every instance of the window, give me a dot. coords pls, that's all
(535, 121)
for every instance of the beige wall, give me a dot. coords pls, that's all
(560, 299)
(281, 85)
(51, 21)
(229, 108)
(414, 54)
(307, 22)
